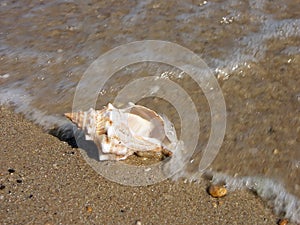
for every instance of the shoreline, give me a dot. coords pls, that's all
(45, 181)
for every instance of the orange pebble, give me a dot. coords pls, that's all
(283, 222)
(89, 209)
(217, 191)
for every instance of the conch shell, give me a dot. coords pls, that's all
(119, 133)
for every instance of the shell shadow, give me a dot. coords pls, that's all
(75, 137)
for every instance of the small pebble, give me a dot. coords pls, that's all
(2, 186)
(215, 205)
(147, 169)
(4, 76)
(217, 191)
(55, 166)
(11, 170)
(138, 222)
(19, 181)
(283, 222)
(89, 209)
(275, 151)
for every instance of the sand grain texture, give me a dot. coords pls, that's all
(53, 184)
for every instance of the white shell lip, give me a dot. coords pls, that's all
(119, 133)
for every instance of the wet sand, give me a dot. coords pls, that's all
(45, 181)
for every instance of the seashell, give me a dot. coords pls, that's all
(119, 133)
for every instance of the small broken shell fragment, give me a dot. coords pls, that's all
(217, 191)
(119, 133)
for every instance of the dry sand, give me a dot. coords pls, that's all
(52, 184)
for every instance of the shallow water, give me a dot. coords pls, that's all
(253, 48)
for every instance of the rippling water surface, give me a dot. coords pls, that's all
(253, 48)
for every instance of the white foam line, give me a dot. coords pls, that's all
(20, 100)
